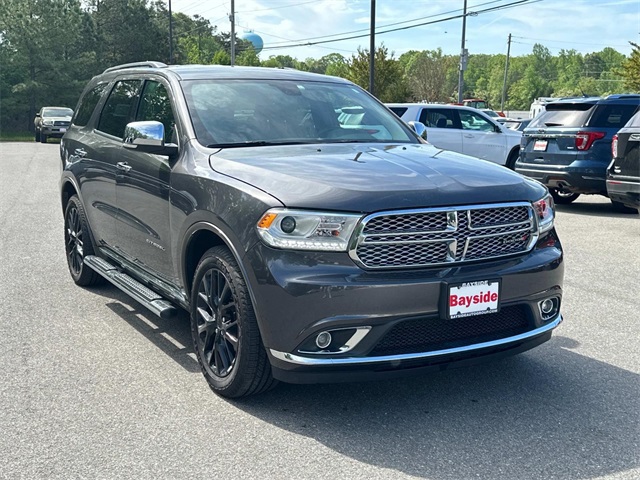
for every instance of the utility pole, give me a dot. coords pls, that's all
(232, 19)
(506, 69)
(463, 54)
(372, 47)
(170, 35)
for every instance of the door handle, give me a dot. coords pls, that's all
(123, 166)
(468, 135)
(80, 152)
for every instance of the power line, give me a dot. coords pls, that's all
(500, 7)
(393, 24)
(570, 42)
(280, 7)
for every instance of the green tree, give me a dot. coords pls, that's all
(426, 74)
(630, 70)
(389, 84)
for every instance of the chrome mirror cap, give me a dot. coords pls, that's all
(144, 133)
(419, 128)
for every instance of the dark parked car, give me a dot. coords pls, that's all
(568, 147)
(623, 174)
(305, 249)
(51, 122)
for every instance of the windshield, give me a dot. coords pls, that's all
(233, 113)
(57, 112)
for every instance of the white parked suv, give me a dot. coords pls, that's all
(463, 129)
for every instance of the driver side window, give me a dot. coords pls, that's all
(155, 105)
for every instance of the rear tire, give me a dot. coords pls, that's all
(224, 329)
(563, 198)
(622, 208)
(77, 243)
(513, 158)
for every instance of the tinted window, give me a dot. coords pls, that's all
(439, 118)
(612, 115)
(120, 107)
(473, 121)
(563, 115)
(399, 111)
(155, 105)
(236, 112)
(88, 104)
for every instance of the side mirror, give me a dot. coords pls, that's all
(148, 137)
(419, 128)
(38, 115)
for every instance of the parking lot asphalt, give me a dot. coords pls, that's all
(95, 386)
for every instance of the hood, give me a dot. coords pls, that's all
(372, 177)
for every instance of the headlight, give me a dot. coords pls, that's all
(47, 122)
(303, 230)
(545, 210)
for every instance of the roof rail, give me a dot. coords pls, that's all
(147, 64)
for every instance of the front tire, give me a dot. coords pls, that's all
(563, 198)
(43, 138)
(77, 244)
(224, 329)
(37, 135)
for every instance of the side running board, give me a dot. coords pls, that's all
(133, 288)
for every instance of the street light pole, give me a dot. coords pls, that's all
(463, 55)
(170, 35)
(232, 19)
(372, 47)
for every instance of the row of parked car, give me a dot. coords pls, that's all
(576, 146)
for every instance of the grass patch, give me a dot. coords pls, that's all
(16, 137)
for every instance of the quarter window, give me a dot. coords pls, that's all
(120, 107)
(88, 105)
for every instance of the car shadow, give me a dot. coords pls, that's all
(549, 413)
(172, 336)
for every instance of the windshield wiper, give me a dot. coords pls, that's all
(551, 124)
(259, 143)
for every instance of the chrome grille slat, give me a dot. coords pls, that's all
(428, 237)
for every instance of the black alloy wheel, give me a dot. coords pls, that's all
(77, 243)
(218, 328)
(225, 332)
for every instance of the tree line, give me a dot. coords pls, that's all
(49, 49)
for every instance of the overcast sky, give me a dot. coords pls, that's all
(583, 25)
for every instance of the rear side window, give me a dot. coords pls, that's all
(563, 115)
(439, 118)
(88, 105)
(120, 108)
(612, 115)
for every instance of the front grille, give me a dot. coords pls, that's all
(61, 123)
(424, 335)
(440, 236)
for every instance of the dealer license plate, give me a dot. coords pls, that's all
(63, 129)
(540, 146)
(473, 298)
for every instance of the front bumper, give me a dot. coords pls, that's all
(53, 131)
(297, 295)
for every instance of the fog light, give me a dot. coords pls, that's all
(323, 340)
(547, 306)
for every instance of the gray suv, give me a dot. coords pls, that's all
(311, 234)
